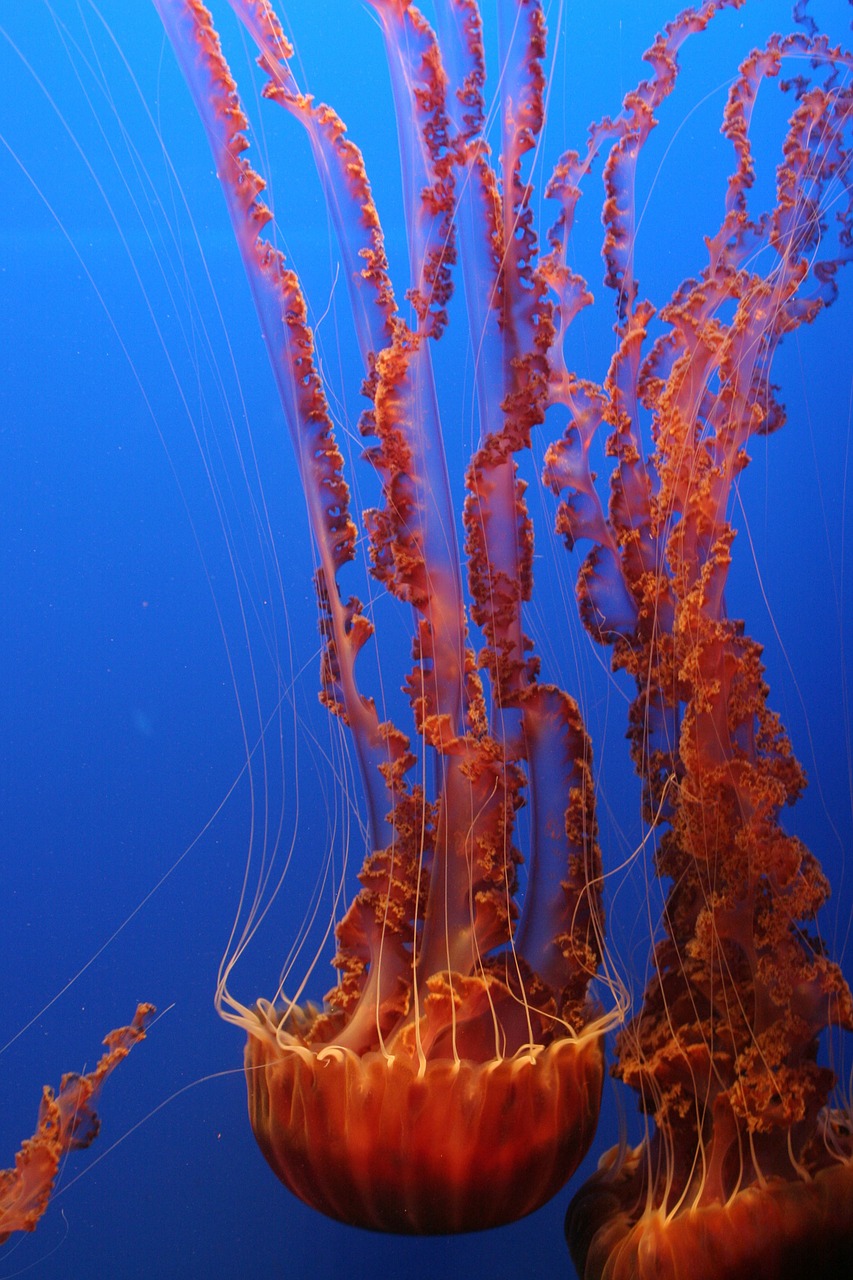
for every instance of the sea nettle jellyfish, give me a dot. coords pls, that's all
(451, 1078)
(748, 1170)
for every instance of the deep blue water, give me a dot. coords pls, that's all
(126, 391)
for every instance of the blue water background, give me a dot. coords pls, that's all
(124, 637)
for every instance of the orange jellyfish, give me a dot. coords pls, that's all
(451, 1079)
(748, 1168)
(67, 1121)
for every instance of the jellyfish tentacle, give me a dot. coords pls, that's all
(67, 1121)
(346, 187)
(343, 625)
(560, 937)
(479, 785)
(510, 320)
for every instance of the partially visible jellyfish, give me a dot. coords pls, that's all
(747, 1169)
(67, 1121)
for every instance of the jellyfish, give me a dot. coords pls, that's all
(747, 1168)
(451, 1079)
(412, 1099)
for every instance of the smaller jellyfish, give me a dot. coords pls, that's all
(747, 1168)
(67, 1121)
